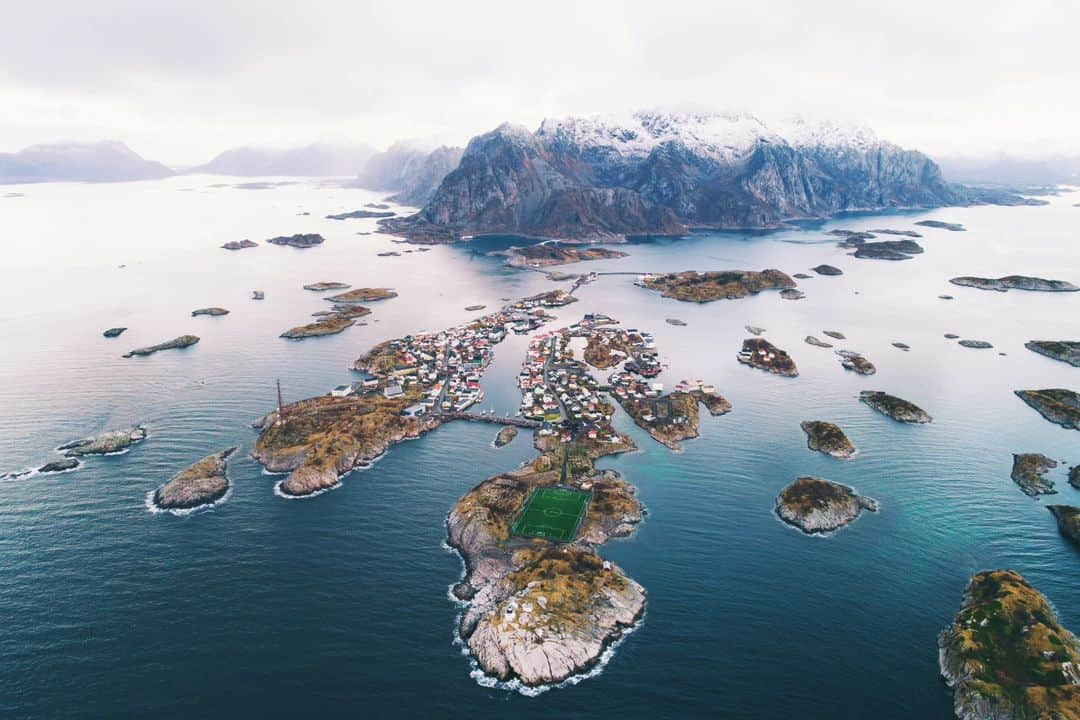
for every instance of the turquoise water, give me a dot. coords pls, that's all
(337, 605)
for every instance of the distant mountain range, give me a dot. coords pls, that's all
(1007, 170)
(412, 172)
(664, 173)
(316, 160)
(107, 161)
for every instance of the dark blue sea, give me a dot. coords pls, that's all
(337, 606)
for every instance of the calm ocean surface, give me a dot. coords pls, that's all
(336, 606)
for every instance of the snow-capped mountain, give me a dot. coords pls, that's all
(663, 173)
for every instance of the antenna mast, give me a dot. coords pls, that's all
(280, 405)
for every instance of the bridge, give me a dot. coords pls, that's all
(494, 419)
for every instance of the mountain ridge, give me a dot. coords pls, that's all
(599, 178)
(101, 161)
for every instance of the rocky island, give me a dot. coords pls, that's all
(59, 466)
(1057, 405)
(1067, 351)
(183, 341)
(703, 287)
(361, 214)
(110, 442)
(888, 250)
(552, 254)
(201, 484)
(818, 506)
(360, 295)
(1006, 655)
(975, 344)
(855, 362)
(211, 311)
(301, 241)
(329, 324)
(941, 225)
(896, 408)
(762, 354)
(114, 332)
(811, 340)
(828, 438)
(505, 436)
(827, 270)
(239, 244)
(1068, 520)
(324, 285)
(1014, 282)
(1029, 470)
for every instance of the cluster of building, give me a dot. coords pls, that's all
(560, 392)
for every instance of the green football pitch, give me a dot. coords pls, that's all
(552, 514)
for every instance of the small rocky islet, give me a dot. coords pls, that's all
(888, 250)
(896, 408)
(326, 285)
(811, 340)
(1066, 351)
(835, 334)
(239, 244)
(301, 241)
(505, 436)
(856, 362)
(941, 225)
(1058, 405)
(1014, 282)
(975, 344)
(59, 466)
(361, 215)
(828, 438)
(1029, 472)
(183, 341)
(200, 484)
(106, 443)
(762, 354)
(361, 295)
(827, 270)
(114, 332)
(815, 505)
(1006, 655)
(211, 311)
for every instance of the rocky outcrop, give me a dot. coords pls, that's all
(57, 466)
(325, 285)
(360, 295)
(941, 225)
(1068, 520)
(1014, 282)
(211, 311)
(896, 408)
(1029, 470)
(1057, 405)
(361, 214)
(202, 483)
(114, 332)
(811, 340)
(817, 506)
(660, 173)
(703, 287)
(1067, 351)
(505, 436)
(762, 354)
(856, 362)
(888, 250)
(976, 344)
(827, 270)
(106, 443)
(1006, 655)
(828, 438)
(176, 343)
(301, 241)
(239, 244)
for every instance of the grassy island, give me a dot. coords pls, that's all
(703, 287)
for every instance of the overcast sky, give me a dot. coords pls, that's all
(180, 81)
